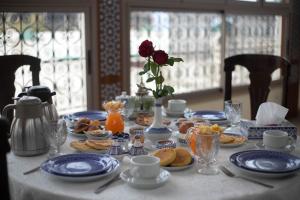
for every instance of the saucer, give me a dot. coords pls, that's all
(163, 176)
(170, 113)
(288, 148)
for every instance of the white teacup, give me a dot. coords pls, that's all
(176, 105)
(145, 167)
(276, 139)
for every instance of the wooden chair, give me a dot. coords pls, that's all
(8, 66)
(4, 149)
(260, 68)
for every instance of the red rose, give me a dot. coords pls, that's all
(146, 48)
(160, 57)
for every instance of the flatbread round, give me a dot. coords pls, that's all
(183, 158)
(166, 156)
(80, 146)
(225, 139)
(99, 144)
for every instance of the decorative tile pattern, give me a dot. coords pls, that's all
(110, 27)
(109, 91)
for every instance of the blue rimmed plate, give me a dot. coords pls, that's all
(262, 171)
(268, 161)
(211, 115)
(76, 165)
(111, 170)
(93, 115)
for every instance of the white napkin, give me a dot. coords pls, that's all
(270, 113)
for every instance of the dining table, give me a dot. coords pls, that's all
(184, 184)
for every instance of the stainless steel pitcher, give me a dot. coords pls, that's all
(30, 128)
(45, 95)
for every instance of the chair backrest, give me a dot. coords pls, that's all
(260, 69)
(8, 66)
(4, 149)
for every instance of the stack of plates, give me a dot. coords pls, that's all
(80, 167)
(213, 116)
(92, 115)
(266, 163)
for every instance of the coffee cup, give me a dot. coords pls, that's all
(176, 105)
(145, 167)
(276, 139)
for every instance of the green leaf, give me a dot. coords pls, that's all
(154, 68)
(146, 67)
(168, 88)
(177, 59)
(159, 80)
(155, 94)
(150, 79)
(142, 73)
(171, 61)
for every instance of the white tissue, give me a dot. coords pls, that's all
(270, 113)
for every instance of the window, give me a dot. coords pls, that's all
(58, 39)
(198, 37)
(193, 36)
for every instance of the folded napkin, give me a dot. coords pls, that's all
(270, 113)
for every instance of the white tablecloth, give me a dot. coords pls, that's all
(182, 185)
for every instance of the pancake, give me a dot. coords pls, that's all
(99, 144)
(183, 158)
(80, 146)
(166, 156)
(225, 139)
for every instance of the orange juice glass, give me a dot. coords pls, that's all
(114, 122)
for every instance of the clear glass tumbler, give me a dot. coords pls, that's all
(57, 137)
(205, 148)
(233, 112)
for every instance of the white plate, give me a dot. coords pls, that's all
(288, 148)
(79, 135)
(85, 178)
(180, 168)
(231, 145)
(92, 137)
(163, 176)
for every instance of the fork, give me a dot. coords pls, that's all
(232, 175)
(31, 170)
(104, 186)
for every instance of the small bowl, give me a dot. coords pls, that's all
(165, 144)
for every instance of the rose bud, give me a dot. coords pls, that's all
(146, 48)
(160, 57)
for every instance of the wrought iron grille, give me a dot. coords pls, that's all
(252, 34)
(58, 39)
(197, 38)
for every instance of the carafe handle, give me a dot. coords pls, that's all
(6, 108)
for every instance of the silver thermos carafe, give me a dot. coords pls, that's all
(45, 94)
(29, 129)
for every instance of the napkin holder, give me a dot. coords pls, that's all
(255, 131)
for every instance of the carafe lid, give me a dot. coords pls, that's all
(28, 101)
(42, 92)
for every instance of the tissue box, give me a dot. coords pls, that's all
(256, 131)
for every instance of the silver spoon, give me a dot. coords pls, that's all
(232, 175)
